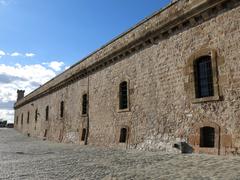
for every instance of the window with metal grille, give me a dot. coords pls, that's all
(47, 112)
(84, 104)
(123, 95)
(207, 137)
(203, 77)
(123, 135)
(36, 115)
(28, 116)
(62, 109)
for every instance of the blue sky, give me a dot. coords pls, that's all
(51, 35)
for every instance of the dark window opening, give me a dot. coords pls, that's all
(47, 112)
(84, 104)
(123, 135)
(28, 134)
(45, 133)
(62, 109)
(203, 77)
(83, 134)
(207, 137)
(28, 116)
(22, 119)
(123, 95)
(36, 115)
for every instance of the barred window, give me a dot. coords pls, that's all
(84, 104)
(62, 109)
(203, 77)
(123, 95)
(47, 112)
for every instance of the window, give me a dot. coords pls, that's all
(62, 109)
(22, 119)
(207, 137)
(45, 133)
(203, 77)
(28, 115)
(47, 112)
(123, 95)
(123, 135)
(36, 115)
(84, 104)
(83, 134)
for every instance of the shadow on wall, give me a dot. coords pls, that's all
(184, 147)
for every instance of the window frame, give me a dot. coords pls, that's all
(86, 106)
(128, 97)
(190, 77)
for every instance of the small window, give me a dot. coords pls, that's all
(45, 133)
(47, 112)
(62, 109)
(22, 119)
(123, 95)
(203, 77)
(28, 116)
(83, 134)
(207, 137)
(84, 104)
(36, 115)
(123, 135)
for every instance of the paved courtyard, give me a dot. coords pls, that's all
(22, 157)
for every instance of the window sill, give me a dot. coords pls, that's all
(205, 99)
(123, 110)
(84, 115)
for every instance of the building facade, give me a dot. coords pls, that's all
(172, 78)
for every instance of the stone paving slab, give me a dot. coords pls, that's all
(22, 157)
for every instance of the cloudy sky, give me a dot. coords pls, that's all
(41, 38)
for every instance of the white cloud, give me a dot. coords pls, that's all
(27, 77)
(55, 65)
(66, 67)
(15, 54)
(29, 54)
(2, 53)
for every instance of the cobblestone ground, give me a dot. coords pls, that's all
(27, 158)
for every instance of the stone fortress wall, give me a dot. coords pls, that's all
(156, 60)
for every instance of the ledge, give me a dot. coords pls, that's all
(176, 17)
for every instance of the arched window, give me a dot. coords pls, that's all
(62, 109)
(28, 116)
(84, 104)
(22, 119)
(123, 95)
(47, 112)
(123, 135)
(83, 134)
(207, 137)
(203, 76)
(36, 115)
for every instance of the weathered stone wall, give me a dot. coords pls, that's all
(161, 111)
